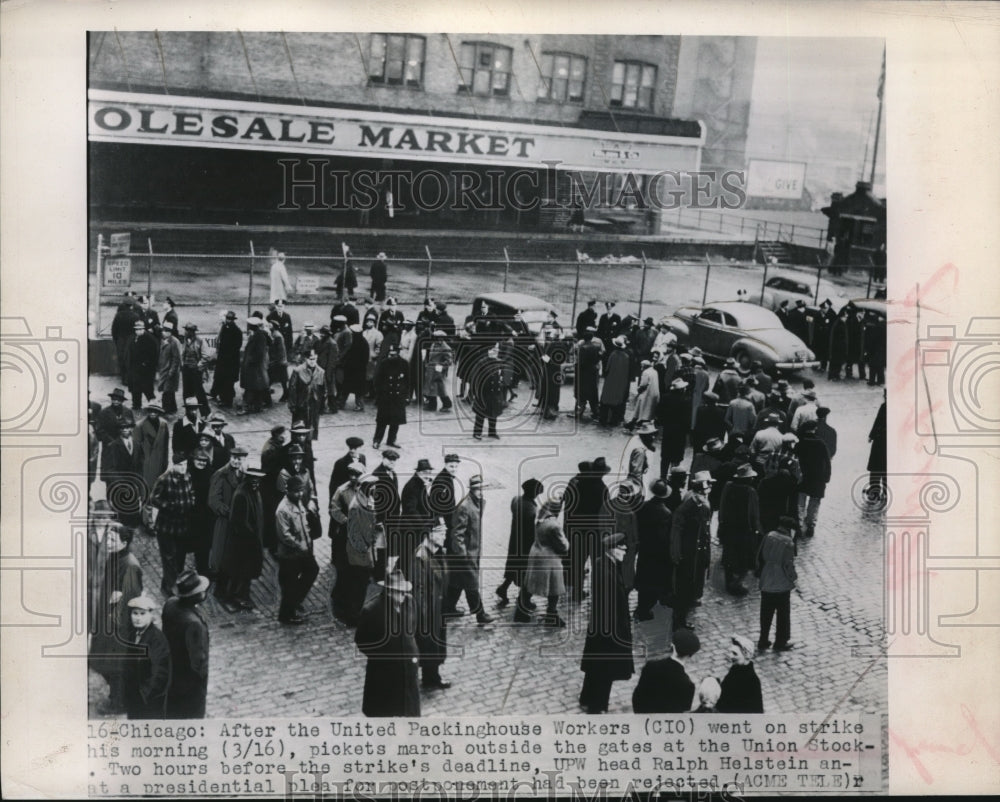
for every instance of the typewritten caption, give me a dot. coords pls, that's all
(553, 756)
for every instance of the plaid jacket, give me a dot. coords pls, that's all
(173, 496)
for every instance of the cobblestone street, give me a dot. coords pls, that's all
(260, 668)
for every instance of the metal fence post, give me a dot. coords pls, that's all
(100, 280)
(819, 272)
(871, 272)
(642, 287)
(576, 287)
(763, 283)
(427, 283)
(506, 268)
(149, 270)
(708, 272)
(250, 291)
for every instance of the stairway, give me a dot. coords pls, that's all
(773, 253)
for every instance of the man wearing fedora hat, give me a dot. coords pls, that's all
(739, 527)
(168, 368)
(654, 571)
(379, 275)
(277, 360)
(339, 507)
(140, 364)
(152, 436)
(186, 429)
(307, 392)
(607, 650)
(147, 675)
(544, 573)
(220, 498)
(675, 420)
(193, 359)
(297, 568)
(465, 551)
(121, 471)
(410, 528)
(614, 392)
(804, 411)
(727, 383)
(227, 361)
(587, 519)
(364, 531)
(243, 551)
(387, 636)
(254, 378)
(690, 547)
(587, 318)
(279, 312)
(305, 342)
(436, 366)
(741, 416)
(110, 418)
(186, 631)
(429, 574)
(709, 421)
(122, 329)
(216, 424)
(589, 351)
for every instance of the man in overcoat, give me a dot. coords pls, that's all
(111, 418)
(140, 364)
(814, 460)
(607, 650)
(168, 368)
(739, 527)
(465, 551)
(654, 571)
(297, 568)
(690, 547)
(121, 471)
(387, 636)
(415, 519)
(227, 361)
(307, 392)
(588, 370)
(220, 498)
(152, 435)
(429, 575)
(488, 393)
(392, 393)
(147, 676)
(254, 378)
(186, 631)
(243, 553)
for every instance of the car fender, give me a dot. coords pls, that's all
(756, 348)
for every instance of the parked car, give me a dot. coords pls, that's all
(500, 307)
(780, 288)
(744, 331)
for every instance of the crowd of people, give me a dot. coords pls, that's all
(760, 460)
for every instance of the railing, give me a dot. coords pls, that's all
(712, 220)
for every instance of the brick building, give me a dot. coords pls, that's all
(390, 129)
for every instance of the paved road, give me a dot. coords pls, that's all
(260, 668)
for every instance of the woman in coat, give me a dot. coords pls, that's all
(116, 581)
(392, 393)
(544, 575)
(648, 398)
(739, 528)
(741, 686)
(243, 555)
(523, 511)
(614, 393)
(607, 651)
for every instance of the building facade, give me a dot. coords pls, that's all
(399, 129)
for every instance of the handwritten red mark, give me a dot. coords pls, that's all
(978, 739)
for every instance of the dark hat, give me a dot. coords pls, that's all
(440, 306)
(230, 316)
(800, 302)
(532, 487)
(822, 412)
(612, 540)
(787, 522)
(190, 327)
(254, 473)
(296, 451)
(103, 510)
(452, 458)
(583, 467)
(659, 489)
(324, 329)
(238, 451)
(355, 442)
(591, 302)
(685, 642)
(677, 475)
(827, 302)
(277, 431)
(390, 453)
(600, 465)
(179, 457)
(713, 444)
(772, 419)
(205, 434)
(152, 407)
(125, 423)
(808, 426)
(190, 584)
(117, 393)
(295, 483)
(408, 324)
(745, 471)
(424, 465)
(648, 321)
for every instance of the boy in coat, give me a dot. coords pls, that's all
(777, 579)
(147, 678)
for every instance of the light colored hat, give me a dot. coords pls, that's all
(702, 476)
(745, 645)
(255, 320)
(678, 384)
(647, 428)
(143, 602)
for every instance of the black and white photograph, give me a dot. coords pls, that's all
(588, 330)
(480, 407)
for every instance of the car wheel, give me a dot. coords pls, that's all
(743, 359)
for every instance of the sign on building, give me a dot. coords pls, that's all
(121, 245)
(774, 179)
(118, 272)
(306, 285)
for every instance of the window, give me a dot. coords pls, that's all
(632, 85)
(396, 59)
(485, 69)
(711, 316)
(563, 76)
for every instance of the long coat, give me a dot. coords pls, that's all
(466, 540)
(168, 365)
(739, 529)
(877, 459)
(839, 341)
(814, 459)
(306, 395)
(664, 687)
(429, 574)
(109, 423)
(186, 630)
(243, 554)
(544, 575)
(588, 368)
(146, 680)
(607, 651)
(413, 523)
(355, 365)
(112, 622)
(227, 356)
(388, 637)
(522, 536)
(392, 391)
(675, 417)
(709, 422)
(698, 388)
(220, 498)
(741, 691)
(690, 548)
(488, 392)
(648, 399)
(141, 356)
(253, 374)
(616, 379)
(152, 441)
(653, 570)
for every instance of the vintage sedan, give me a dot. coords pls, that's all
(791, 288)
(743, 331)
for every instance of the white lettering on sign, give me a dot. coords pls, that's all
(773, 179)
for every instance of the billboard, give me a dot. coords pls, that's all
(773, 179)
